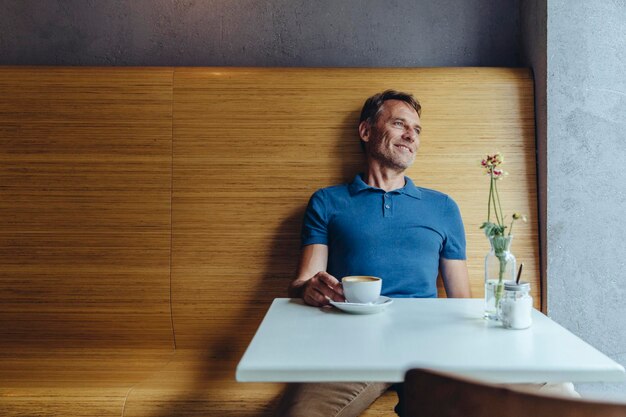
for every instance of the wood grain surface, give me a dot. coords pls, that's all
(85, 175)
(73, 381)
(428, 394)
(195, 384)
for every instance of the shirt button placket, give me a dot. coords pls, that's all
(387, 205)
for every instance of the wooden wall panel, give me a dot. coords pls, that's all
(85, 190)
(252, 145)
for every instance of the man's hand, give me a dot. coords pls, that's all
(322, 288)
(315, 288)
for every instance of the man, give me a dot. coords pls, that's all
(382, 225)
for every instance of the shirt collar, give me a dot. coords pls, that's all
(409, 188)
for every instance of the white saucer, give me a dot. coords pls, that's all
(356, 308)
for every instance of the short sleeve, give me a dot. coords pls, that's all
(454, 242)
(315, 222)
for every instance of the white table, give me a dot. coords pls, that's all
(299, 343)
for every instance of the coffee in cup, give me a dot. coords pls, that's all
(361, 289)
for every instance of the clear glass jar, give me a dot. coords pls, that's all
(500, 266)
(516, 305)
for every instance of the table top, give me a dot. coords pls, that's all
(299, 343)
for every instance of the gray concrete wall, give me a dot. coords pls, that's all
(260, 33)
(586, 176)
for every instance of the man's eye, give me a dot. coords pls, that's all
(398, 123)
(417, 131)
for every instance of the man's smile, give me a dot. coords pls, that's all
(404, 148)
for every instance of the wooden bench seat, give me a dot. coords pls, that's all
(192, 385)
(151, 215)
(74, 382)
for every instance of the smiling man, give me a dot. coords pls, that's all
(380, 224)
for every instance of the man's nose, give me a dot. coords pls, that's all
(410, 135)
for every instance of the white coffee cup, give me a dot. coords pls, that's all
(361, 289)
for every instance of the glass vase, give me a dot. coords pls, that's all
(500, 266)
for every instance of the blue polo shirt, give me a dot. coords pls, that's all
(398, 235)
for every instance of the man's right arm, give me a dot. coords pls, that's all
(313, 284)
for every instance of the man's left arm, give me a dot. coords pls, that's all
(455, 278)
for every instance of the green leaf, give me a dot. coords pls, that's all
(493, 229)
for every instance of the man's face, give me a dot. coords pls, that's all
(393, 140)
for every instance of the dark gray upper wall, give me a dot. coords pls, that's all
(320, 33)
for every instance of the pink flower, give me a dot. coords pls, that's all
(490, 164)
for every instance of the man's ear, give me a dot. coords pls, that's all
(365, 131)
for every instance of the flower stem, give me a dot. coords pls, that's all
(501, 220)
(489, 201)
(493, 195)
(499, 290)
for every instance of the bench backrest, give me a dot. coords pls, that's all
(145, 203)
(85, 206)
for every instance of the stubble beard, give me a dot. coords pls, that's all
(386, 158)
